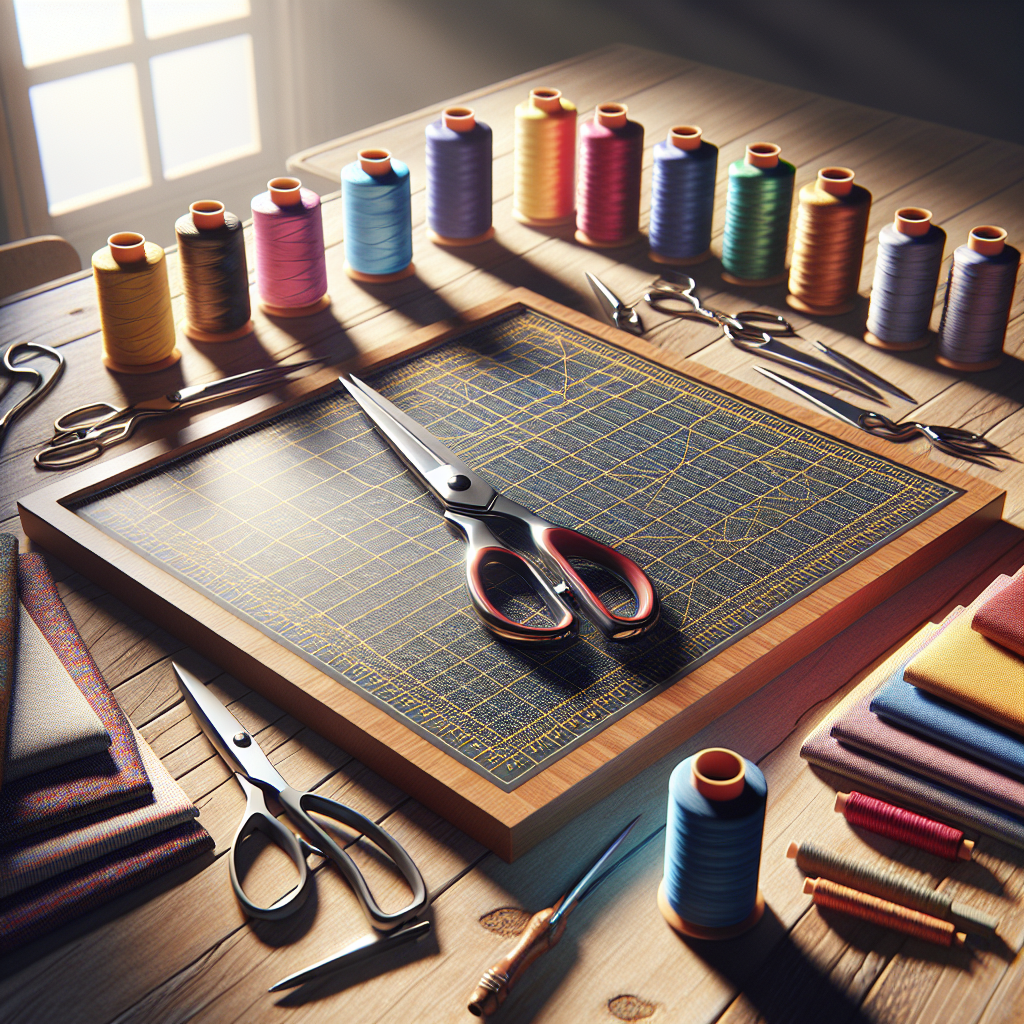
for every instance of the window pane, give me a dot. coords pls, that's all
(165, 17)
(205, 99)
(91, 139)
(52, 30)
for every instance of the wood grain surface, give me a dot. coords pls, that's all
(180, 950)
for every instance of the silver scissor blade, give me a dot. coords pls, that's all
(362, 949)
(239, 382)
(862, 371)
(579, 890)
(232, 740)
(797, 360)
(610, 302)
(829, 403)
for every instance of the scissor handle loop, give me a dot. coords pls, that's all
(298, 805)
(259, 819)
(85, 417)
(68, 454)
(881, 426)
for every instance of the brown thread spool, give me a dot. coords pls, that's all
(828, 248)
(833, 896)
(134, 299)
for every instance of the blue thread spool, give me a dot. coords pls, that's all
(716, 803)
(377, 206)
(906, 273)
(459, 157)
(682, 197)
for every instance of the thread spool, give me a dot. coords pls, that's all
(828, 249)
(377, 204)
(716, 804)
(544, 160)
(834, 896)
(906, 275)
(979, 293)
(134, 298)
(682, 197)
(888, 885)
(757, 217)
(291, 269)
(608, 192)
(214, 274)
(908, 827)
(459, 160)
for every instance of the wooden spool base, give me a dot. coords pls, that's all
(295, 311)
(762, 283)
(989, 364)
(679, 261)
(398, 275)
(696, 931)
(584, 239)
(140, 368)
(891, 346)
(197, 334)
(797, 303)
(541, 222)
(458, 243)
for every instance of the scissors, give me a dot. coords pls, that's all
(85, 433)
(259, 778)
(758, 331)
(469, 499)
(951, 440)
(16, 371)
(626, 318)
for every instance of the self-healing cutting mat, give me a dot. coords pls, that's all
(307, 527)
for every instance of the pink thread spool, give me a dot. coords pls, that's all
(291, 268)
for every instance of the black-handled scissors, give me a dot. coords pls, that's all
(951, 440)
(468, 499)
(259, 778)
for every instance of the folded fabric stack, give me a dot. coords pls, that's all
(87, 811)
(939, 728)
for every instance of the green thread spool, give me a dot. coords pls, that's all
(757, 217)
(889, 885)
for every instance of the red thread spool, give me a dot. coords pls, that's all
(608, 192)
(905, 826)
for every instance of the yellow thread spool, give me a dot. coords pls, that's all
(544, 173)
(135, 305)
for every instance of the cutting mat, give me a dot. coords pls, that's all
(308, 528)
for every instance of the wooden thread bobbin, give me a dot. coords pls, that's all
(718, 774)
(129, 252)
(377, 163)
(459, 119)
(914, 222)
(687, 137)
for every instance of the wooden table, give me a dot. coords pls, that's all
(180, 949)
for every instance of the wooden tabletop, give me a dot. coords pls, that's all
(180, 949)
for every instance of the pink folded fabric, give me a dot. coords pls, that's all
(61, 794)
(8, 632)
(1001, 618)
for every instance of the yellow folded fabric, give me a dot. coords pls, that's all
(969, 670)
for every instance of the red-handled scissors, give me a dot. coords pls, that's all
(468, 499)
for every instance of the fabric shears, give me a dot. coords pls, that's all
(626, 318)
(87, 432)
(17, 371)
(758, 332)
(259, 779)
(951, 440)
(469, 500)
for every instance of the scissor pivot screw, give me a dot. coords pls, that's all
(459, 483)
(241, 739)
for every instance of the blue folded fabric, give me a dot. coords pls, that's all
(907, 707)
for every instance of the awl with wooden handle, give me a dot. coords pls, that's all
(545, 929)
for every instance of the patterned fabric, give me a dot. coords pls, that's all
(81, 787)
(1001, 618)
(42, 857)
(50, 722)
(8, 631)
(45, 907)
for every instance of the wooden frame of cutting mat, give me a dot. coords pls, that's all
(509, 822)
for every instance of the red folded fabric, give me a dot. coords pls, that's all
(36, 911)
(61, 794)
(1001, 618)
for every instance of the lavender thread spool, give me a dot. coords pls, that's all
(459, 158)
